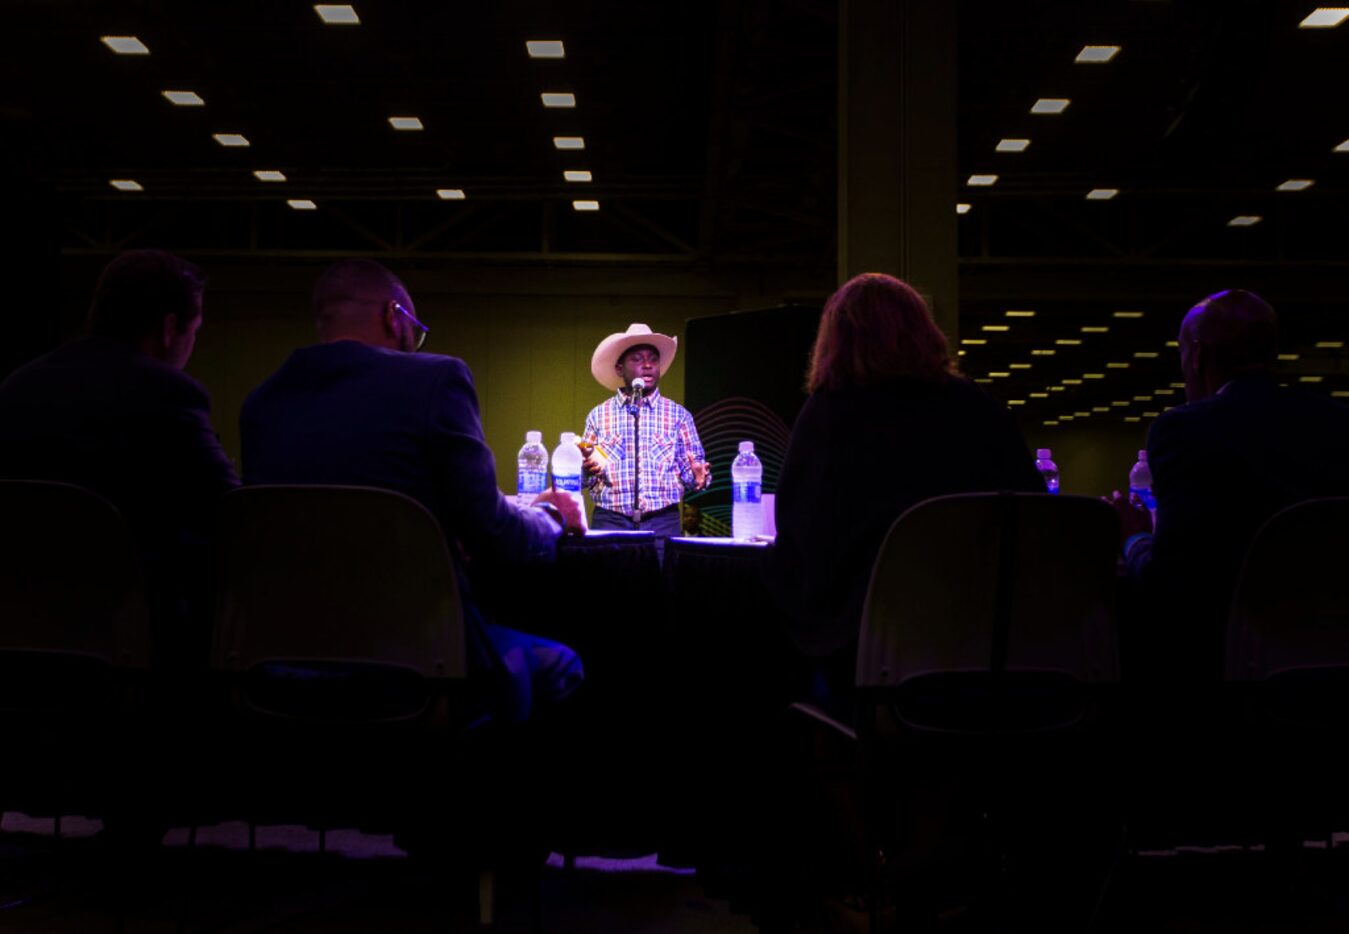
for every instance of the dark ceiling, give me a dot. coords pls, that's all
(710, 131)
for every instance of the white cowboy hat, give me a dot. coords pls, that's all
(613, 347)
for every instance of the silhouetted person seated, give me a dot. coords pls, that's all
(115, 413)
(1240, 450)
(889, 423)
(363, 408)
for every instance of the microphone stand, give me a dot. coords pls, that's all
(635, 408)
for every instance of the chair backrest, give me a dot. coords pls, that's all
(70, 581)
(991, 592)
(1289, 612)
(332, 575)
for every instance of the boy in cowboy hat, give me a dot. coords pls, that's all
(641, 449)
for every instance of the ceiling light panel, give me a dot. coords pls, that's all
(1324, 17)
(337, 14)
(125, 45)
(546, 48)
(184, 98)
(1050, 105)
(1096, 54)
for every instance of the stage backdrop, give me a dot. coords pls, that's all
(744, 380)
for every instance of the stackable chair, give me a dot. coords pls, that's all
(1288, 664)
(74, 650)
(987, 661)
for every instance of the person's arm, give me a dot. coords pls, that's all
(484, 520)
(689, 457)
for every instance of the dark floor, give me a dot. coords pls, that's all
(363, 883)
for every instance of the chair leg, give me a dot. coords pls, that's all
(486, 897)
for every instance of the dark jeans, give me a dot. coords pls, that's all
(664, 523)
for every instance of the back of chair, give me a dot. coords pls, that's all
(318, 576)
(977, 594)
(70, 582)
(1289, 613)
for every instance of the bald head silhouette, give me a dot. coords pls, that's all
(1227, 334)
(354, 299)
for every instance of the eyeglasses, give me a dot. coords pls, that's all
(423, 329)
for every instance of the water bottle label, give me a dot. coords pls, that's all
(531, 481)
(747, 491)
(570, 484)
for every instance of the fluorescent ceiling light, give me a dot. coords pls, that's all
(450, 194)
(962, 208)
(982, 180)
(577, 175)
(1050, 105)
(337, 14)
(545, 48)
(230, 139)
(125, 45)
(1013, 145)
(585, 205)
(269, 175)
(1096, 54)
(302, 204)
(406, 123)
(1102, 194)
(1324, 17)
(569, 142)
(1127, 314)
(558, 99)
(126, 184)
(1296, 184)
(184, 98)
(1244, 220)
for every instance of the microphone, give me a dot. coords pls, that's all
(638, 386)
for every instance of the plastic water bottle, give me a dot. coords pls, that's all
(746, 493)
(532, 464)
(1044, 462)
(1140, 482)
(567, 468)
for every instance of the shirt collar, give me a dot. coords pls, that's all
(648, 398)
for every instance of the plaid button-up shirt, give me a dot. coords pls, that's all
(667, 439)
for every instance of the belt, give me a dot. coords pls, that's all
(640, 517)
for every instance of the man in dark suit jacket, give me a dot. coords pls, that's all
(115, 413)
(361, 407)
(1242, 449)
